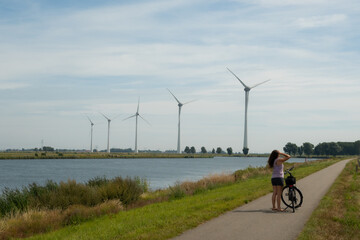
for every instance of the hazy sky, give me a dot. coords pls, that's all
(63, 60)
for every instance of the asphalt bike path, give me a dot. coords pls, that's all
(256, 220)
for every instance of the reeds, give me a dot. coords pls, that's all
(65, 194)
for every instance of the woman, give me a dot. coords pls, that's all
(277, 180)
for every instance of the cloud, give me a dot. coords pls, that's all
(320, 21)
(12, 86)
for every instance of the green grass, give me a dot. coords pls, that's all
(168, 219)
(338, 214)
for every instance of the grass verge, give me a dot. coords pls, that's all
(167, 219)
(338, 214)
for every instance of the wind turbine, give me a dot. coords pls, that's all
(180, 105)
(108, 139)
(136, 115)
(247, 90)
(91, 141)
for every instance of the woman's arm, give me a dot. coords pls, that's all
(283, 159)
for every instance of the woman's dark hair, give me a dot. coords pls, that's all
(274, 155)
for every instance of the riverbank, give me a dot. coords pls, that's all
(103, 155)
(172, 216)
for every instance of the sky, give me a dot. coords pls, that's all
(64, 61)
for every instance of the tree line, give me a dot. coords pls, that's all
(323, 149)
(218, 150)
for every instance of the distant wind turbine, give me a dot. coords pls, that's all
(91, 141)
(136, 115)
(180, 105)
(247, 90)
(108, 138)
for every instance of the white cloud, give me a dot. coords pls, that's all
(11, 86)
(320, 21)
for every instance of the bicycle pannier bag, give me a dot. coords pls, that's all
(290, 181)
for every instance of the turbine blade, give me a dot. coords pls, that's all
(190, 101)
(238, 78)
(105, 116)
(138, 105)
(260, 83)
(129, 117)
(90, 120)
(144, 120)
(174, 96)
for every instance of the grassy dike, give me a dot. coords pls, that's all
(338, 214)
(168, 219)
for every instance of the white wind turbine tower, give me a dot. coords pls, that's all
(247, 90)
(91, 141)
(180, 105)
(136, 115)
(108, 138)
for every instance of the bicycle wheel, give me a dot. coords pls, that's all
(295, 196)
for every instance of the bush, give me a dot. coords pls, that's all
(97, 181)
(65, 194)
(12, 201)
(176, 192)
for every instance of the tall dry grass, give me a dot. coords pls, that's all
(182, 189)
(32, 222)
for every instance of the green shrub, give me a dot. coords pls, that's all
(97, 181)
(65, 194)
(13, 201)
(176, 192)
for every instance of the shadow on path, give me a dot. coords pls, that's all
(260, 211)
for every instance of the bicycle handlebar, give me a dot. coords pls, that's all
(288, 170)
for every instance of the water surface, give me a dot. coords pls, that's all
(159, 172)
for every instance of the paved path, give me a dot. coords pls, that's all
(256, 220)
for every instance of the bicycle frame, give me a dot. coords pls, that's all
(291, 195)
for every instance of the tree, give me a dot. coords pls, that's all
(300, 150)
(357, 147)
(322, 149)
(229, 150)
(308, 148)
(48, 149)
(192, 149)
(203, 150)
(334, 148)
(213, 151)
(290, 148)
(218, 150)
(187, 149)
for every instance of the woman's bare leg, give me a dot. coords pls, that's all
(278, 197)
(273, 198)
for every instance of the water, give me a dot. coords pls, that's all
(159, 172)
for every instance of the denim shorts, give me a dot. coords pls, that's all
(277, 181)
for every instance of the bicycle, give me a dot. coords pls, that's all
(291, 196)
